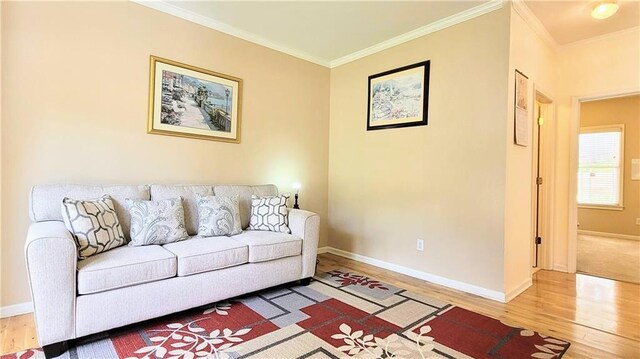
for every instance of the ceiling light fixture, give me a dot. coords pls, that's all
(604, 9)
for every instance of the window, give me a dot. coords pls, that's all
(600, 166)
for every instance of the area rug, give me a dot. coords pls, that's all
(339, 315)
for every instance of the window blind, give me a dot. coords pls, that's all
(599, 167)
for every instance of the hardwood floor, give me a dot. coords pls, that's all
(17, 333)
(600, 317)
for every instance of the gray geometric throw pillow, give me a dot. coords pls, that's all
(93, 224)
(269, 214)
(156, 222)
(218, 216)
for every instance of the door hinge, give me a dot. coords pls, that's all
(539, 180)
(538, 240)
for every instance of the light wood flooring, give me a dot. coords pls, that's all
(609, 257)
(600, 317)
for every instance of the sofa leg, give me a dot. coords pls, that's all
(305, 281)
(55, 349)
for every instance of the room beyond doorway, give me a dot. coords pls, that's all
(608, 189)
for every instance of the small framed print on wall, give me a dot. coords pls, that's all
(399, 97)
(521, 111)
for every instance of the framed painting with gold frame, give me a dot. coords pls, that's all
(189, 101)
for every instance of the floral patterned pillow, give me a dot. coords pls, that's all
(218, 216)
(156, 222)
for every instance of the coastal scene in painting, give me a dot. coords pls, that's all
(195, 103)
(396, 98)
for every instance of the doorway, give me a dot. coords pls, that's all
(543, 165)
(608, 190)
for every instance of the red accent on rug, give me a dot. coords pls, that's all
(341, 314)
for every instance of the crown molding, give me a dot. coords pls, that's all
(452, 20)
(601, 37)
(536, 25)
(168, 8)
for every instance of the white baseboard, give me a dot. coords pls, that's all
(16, 309)
(560, 268)
(609, 235)
(511, 294)
(450, 283)
(323, 250)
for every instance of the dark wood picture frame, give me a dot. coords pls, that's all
(423, 109)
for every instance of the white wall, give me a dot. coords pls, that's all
(534, 57)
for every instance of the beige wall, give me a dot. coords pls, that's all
(600, 66)
(538, 61)
(0, 149)
(626, 111)
(445, 182)
(459, 183)
(75, 90)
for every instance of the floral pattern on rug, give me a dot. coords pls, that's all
(346, 278)
(341, 314)
(360, 284)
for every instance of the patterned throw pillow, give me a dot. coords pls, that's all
(218, 216)
(93, 224)
(156, 222)
(269, 214)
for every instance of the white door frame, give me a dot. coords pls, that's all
(576, 101)
(545, 255)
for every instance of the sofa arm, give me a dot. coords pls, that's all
(51, 257)
(306, 225)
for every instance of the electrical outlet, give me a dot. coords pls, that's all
(420, 245)
(638, 221)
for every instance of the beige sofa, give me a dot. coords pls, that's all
(74, 298)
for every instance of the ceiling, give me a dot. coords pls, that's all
(331, 33)
(321, 31)
(570, 21)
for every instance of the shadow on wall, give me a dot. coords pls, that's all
(347, 240)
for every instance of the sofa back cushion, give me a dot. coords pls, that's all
(189, 194)
(244, 194)
(45, 201)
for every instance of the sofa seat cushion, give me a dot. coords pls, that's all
(200, 254)
(265, 246)
(125, 266)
